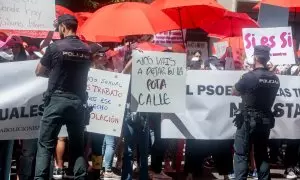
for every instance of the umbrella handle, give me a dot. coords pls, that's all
(180, 21)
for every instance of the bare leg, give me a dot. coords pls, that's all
(60, 150)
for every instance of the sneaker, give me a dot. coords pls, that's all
(58, 173)
(108, 175)
(297, 170)
(231, 176)
(68, 174)
(253, 174)
(290, 174)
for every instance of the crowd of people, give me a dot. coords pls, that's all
(141, 140)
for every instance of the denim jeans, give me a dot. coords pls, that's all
(135, 133)
(258, 135)
(6, 150)
(63, 108)
(27, 159)
(104, 145)
(159, 145)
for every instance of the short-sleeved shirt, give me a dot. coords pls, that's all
(258, 89)
(69, 61)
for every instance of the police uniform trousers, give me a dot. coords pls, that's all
(256, 134)
(62, 108)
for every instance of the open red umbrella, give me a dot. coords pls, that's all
(295, 7)
(147, 46)
(60, 10)
(230, 25)
(128, 18)
(190, 13)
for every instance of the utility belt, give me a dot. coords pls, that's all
(86, 108)
(260, 118)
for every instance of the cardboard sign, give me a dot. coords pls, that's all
(107, 94)
(279, 39)
(158, 81)
(220, 48)
(27, 15)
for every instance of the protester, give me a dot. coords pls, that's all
(6, 147)
(196, 62)
(68, 61)
(136, 134)
(102, 144)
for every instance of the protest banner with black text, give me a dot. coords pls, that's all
(107, 95)
(158, 81)
(21, 105)
(27, 14)
(210, 108)
(279, 39)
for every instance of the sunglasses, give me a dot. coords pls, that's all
(99, 55)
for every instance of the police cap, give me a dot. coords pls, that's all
(262, 51)
(66, 17)
(97, 48)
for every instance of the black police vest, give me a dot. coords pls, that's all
(262, 96)
(70, 66)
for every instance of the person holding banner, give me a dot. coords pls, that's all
(258, 89)
(66, 63)
(102, 144)
(136, 133)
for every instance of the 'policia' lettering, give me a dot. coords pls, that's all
(21, 112)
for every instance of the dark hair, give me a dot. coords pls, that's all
(198, 52)
(71, 25)
(263, 60)
(22, 55)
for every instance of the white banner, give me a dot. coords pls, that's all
(108, 95)
(21, 105)
(210, 107)
(27, 14)
(279, 39)
(158, 81)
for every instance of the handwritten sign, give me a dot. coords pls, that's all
(279, 39)
(108, 95)
(158, 81)
(27, 14)
(220, 48)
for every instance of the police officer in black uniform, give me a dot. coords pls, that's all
(258, 90)
(66, 62)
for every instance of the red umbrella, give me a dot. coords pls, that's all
(60, 10)
(128, 18)
(231, 24)
(190, 13)
(146, 46)
(292, 9)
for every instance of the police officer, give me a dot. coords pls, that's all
(66, 62)
(258, 90)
